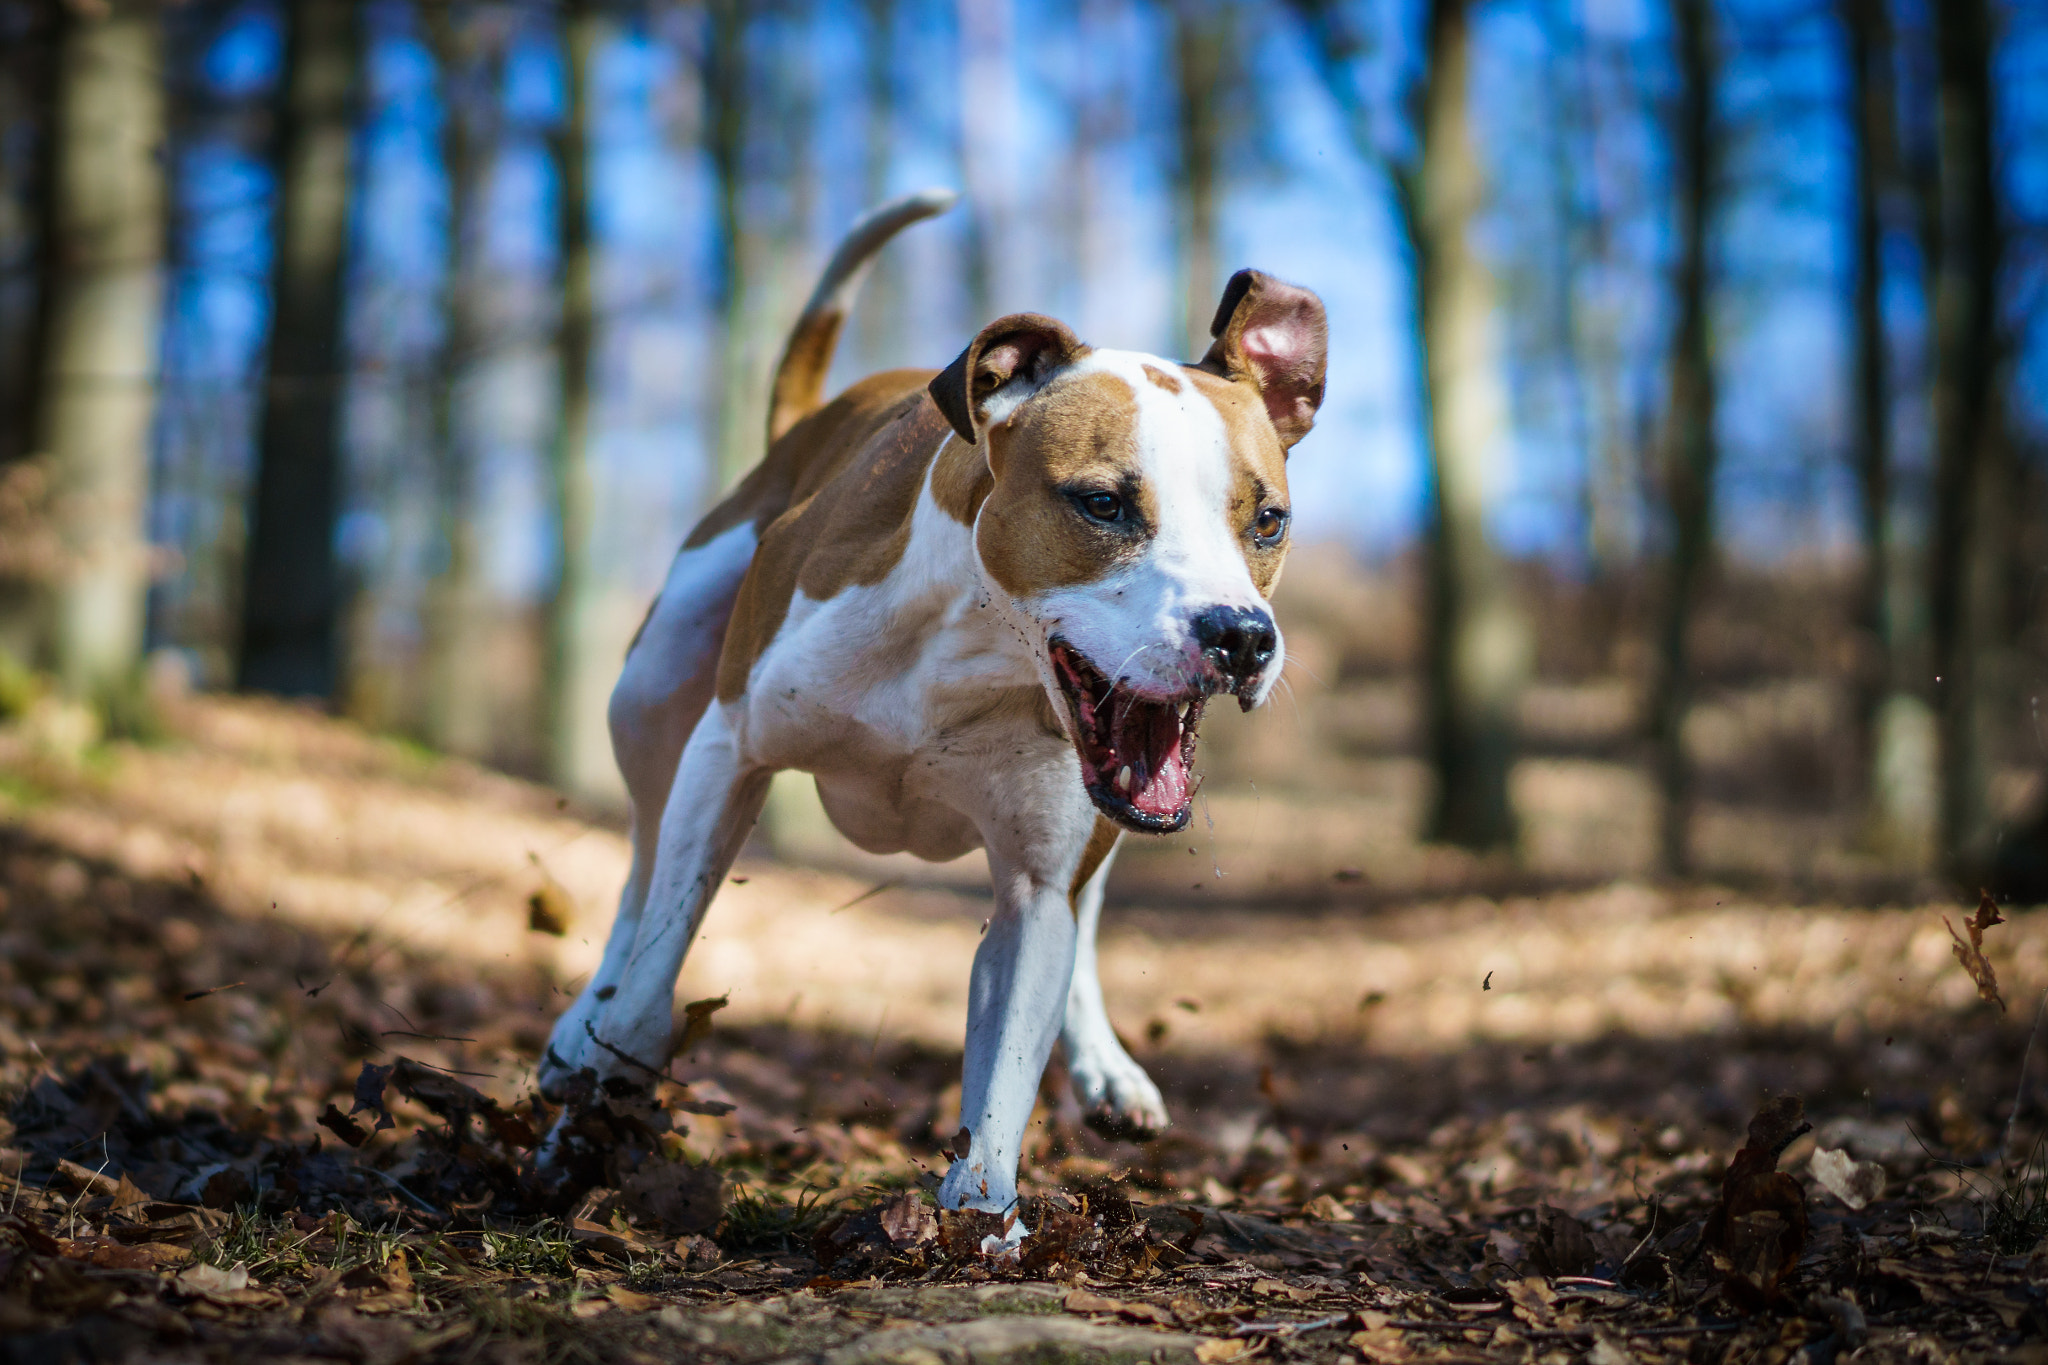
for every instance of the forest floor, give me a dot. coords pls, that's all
(270, 995)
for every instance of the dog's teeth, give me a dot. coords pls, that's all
(1123, 778)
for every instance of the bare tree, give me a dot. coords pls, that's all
(989, 121)
(27, 95)
(457, 720)
(27, 100)
(879, 298)
(1478, 643)
(1690, 450)
(1203, 73)
(99, 348)
(1972, 480)
(579, 672)
(726, 90)
(1895, 723)
(292, 596)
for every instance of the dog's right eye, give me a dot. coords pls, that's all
(1101, 506)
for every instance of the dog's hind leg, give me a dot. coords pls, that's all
(716, 797)
(1116, 1095)
(668, 681)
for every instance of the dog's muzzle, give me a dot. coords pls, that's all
(1137, 751)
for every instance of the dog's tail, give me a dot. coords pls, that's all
(800, 378)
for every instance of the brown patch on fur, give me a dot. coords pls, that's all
(1258, 466)
(961, 480)
(1162, 378)
(1100, 841)
(1029, 536)
(832, 504)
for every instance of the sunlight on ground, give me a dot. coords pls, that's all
(269, 805)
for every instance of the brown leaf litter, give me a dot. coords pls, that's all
(334, 1162)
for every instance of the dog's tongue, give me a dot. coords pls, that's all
(1148, 742)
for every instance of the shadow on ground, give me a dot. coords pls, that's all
(196, 1168)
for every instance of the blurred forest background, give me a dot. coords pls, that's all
(1678, 506)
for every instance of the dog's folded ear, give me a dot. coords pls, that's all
(1275, 335)
(1022, 346)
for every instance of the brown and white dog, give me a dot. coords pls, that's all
(984, 608)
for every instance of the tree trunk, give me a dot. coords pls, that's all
(1477, 645)
(27, 94)
(1972, 483)
(1689, 446)
(24, 566)
(725, 97)
(877, 319)
(579, 670)
(291, 610)
(457, 715)
(1478, 642)
(1201, 44)
(98, 402)
(989, 114)
(1896, 730)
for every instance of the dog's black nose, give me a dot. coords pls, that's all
(1239, 641)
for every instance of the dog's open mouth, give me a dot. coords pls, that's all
(1137, 753)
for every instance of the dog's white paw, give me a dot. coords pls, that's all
(1117, 1098)
(570, 1048)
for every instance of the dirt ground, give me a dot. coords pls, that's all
(1434, 1126)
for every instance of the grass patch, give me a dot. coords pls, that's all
(542, 1250)
(2016, 1208)
(759, 1222)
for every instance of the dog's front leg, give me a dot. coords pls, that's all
(1015, 1001)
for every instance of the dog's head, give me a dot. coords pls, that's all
(1136, 522)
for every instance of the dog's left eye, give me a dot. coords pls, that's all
(1270, 523)
(1102, 506)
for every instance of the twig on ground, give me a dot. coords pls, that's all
(2019, 1089)
(393, 1182)
(1288, 1329)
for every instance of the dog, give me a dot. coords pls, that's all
(983, 608)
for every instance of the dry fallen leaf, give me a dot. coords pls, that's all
(550, 909)
(128, 1195)
(369, 1094)
(1856, 1183)
(1218, 1349)
(697, 1022)
(1760, 1224)
(343, 1127)
(1970, 952)
(632, 1300)
(211, 1279)
(676, 1196)
(609, 1241)
(105, 1253)
(1082, 1301)
(1563, 1245)
(906, 1221)
(1329, 1209)
(1380, 1343)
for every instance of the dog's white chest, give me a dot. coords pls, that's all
(910, 710)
